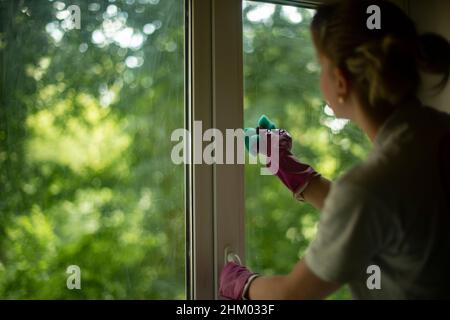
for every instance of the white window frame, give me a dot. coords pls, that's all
(214, 95)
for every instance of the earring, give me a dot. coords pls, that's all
(341, 100)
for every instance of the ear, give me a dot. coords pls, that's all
(341, 82)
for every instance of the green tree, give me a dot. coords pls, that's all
(86, 176)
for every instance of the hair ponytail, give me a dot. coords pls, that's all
(382, 70)
(434, 56)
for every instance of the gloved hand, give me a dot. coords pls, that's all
(234, 281)
(294, 174)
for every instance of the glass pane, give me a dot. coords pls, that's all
(86, 177)
(282, 81)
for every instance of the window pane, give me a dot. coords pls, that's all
(282, 81)
(86, 176)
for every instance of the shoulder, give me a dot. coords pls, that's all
(389, 169)
(433, 114)
(367, 178)
(427, 122)
(369, 188)
(353, 192)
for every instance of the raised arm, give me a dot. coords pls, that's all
(317, 191)
(300, 178)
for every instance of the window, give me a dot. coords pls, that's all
(281, 76)
(86, 176)
(86, 116)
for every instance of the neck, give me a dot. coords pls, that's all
(369, 126)
(366, 123)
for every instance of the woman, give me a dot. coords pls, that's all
(392, 212)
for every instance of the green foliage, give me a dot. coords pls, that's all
(85, 170)
(86, 176)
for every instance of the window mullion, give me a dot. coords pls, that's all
(200, 197)
(228, 114)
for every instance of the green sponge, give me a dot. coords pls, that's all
(252, 141)
(249, 133)
(265, 123)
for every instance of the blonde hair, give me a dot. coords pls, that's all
(382, 65)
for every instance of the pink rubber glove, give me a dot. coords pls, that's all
(294, 174)
(234, 278)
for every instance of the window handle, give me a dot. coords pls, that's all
(231, 256)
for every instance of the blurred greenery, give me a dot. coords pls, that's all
(86, 176)
(282, 81)
(85, 170)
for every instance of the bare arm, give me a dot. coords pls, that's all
(317, 191)
(300, 284)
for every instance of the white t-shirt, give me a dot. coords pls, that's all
(392, 211)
